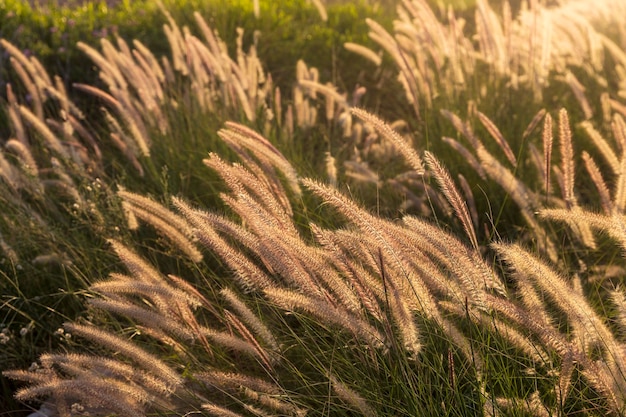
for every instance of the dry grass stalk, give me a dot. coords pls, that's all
(25, 157)
(10, 175)
(269, 193)
(589, 329)
(135, 264)
(351, 397)
(532, 298)
(14, 116)
(40, 75)
(249, 275)
(132, 72)
(170, 309)
(547, 151)
(466, 266)
(277, 250)
(170, 225)
(462, 127)
(520, 194)
(603, 146)
(364, 52)
(148, 361)
(549, 337)
(123, 285)
(174, 304)
(238, 136)
(407, 76)
(155, 209)
(402, 277)
(323, 267)
(51, 141)
(401, 311)
(452, 195)
(109, 72)
(229, 228)
(326, 280)
(468, 195)
(293, 301)
(364, 284)
(251, 319)
(122, 145)
(517, 337)
(96, 395)
(267, 359)
(359, 217)
(148, 318)
(619, 199)
(141, 141)
(426, 265)
(327, 90)
(499, 138)
(618, 127)
(109, 366)
(604, 381)
(598, 180)
(219, 411)
(19, 56)
(534, 122)
(614, 225)
(230, 342)
(31, 87)
(153, 64)
(619, 300)
(567, 159)
(579, 92)
(408, 152)
(60, 94)
(86, 135)
(533, 405)
(466, 154)
(274, 404)
(234, 381)
(176, 41)
(564, 387)
(319, 5)
(166, 229)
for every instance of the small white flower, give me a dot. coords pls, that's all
(25, 330)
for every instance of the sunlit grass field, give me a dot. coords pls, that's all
(321, 208)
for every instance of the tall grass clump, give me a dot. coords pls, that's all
(245, 250)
